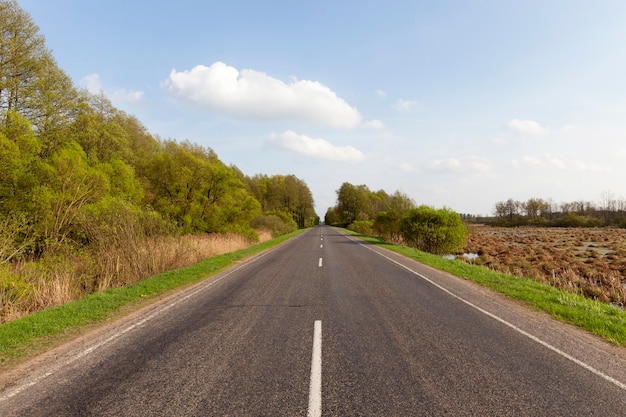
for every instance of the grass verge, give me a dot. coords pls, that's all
(38, 331)
(601, 319)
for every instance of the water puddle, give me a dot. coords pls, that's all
(465, 255)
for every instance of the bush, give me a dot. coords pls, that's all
(388, 224)
(279, 224)
(363, 227)
(434, 231)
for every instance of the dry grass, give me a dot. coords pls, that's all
(588, 261)
(26, 286)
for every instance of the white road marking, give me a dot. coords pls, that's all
(556, 350)
(321, 246)
(320, 263)
(315, 386)
(202, 286)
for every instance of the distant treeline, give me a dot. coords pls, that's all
(73, 168)
(396, 218)
(610, 211)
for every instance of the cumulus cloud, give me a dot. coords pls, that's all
(406, 167)
(550, 161)
(93, 84)
(254, 95)
(462, 165)
(373, 124)
(132, 97)
(317, 148)
(527, 127)
(404, 105)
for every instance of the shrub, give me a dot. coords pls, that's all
(363, 227)
(436, 231)
(279, 223)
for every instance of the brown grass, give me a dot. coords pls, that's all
(29, 286)
(588, 261)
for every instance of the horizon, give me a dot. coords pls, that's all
(453, 104)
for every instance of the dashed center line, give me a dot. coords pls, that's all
(320, 263)
(315, 386)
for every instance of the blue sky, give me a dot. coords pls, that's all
(455, 103)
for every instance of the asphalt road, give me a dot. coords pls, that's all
(326, 325)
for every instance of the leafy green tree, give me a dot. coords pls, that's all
(388, 224)
(67, 185)
(352, 202)
(436, 231)
(19, 158)
(284, 194)
(189, 185)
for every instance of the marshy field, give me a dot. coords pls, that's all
(586, 261)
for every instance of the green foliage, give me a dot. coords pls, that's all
(358, 203)
(278, 223)
(14, 290)
(284, 194)
(78, 175)
(190, 186)
(363, 227)
(388, 224)
(434, 231)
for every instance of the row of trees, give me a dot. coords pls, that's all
(396, 218)
(358, 203)
(610, 211)
(73, 166)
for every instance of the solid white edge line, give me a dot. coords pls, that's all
(315, 387)
(201, 287)
(578, 362)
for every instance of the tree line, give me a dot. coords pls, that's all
(396, 218)
(74, 168)
(609, 211)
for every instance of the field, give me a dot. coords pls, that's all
(587, 261)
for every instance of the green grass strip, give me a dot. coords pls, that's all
(35, 332)
(601, 319)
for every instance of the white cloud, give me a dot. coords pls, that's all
(404, 105)
(254, 95)
(528, 160)
(373, 124)
(132, 97)
(557, 163)
(380, 93)
(93, 84)
(463, 165)
(528, 127)
(317, 148)
(406, 167)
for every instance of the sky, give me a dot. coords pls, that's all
(457, 104)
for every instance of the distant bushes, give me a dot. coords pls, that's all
(396, 218)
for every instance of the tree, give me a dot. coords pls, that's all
(284, 194)
(388, 224)
(435, 231)
(22, 49)
(352, 202)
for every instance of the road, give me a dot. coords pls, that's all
(327, 325)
